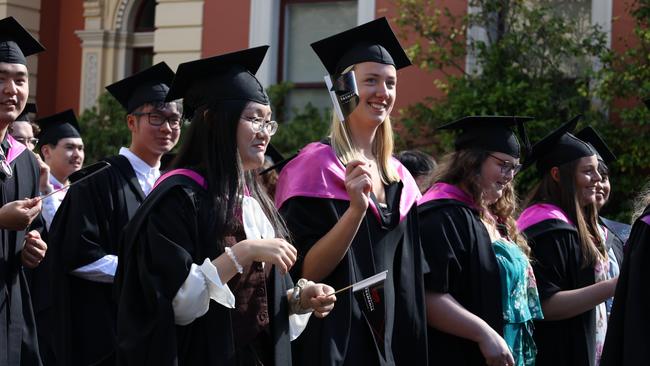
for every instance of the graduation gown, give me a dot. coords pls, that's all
(627, 331)
(558, 266)
(171, 231)
(88, 226)
(18, 340)
(311, 197)
(463, 264)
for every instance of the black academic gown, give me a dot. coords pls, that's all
(459, 251)
(86, 227)
(170, 232)
(18, 340)
(558, 265)
(628, 338)
(343, 337)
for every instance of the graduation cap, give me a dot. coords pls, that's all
(559, 147)
(490, 133)
(590, 136)
(16, 43)
(24, 116)
(225, 77)
(373, 41)
(58, 126)
(148, 86)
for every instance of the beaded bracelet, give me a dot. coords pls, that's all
(239, 267)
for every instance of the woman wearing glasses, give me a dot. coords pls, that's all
(351, 209)
(481, 294)
(203, 277)
(571, 261)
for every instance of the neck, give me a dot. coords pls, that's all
(63, 179)
(150, 158)
(363, 138)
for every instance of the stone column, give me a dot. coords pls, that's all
(179, 26)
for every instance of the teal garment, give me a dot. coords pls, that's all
(520, 301)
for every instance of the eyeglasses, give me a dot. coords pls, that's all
(508, 166)
(157, 119)
(259, 125)
(26, 140)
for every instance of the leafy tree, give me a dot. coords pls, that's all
(532, 61)
(104, 129)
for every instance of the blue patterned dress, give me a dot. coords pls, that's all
(520, 301)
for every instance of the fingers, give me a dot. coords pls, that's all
(33, 252)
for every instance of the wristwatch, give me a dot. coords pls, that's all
(296, 308)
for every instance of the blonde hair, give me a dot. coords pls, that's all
(641, 203)
(382, 146)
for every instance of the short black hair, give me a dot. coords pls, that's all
(417, 162)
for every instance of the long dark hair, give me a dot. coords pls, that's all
(464, 168)
(564, 194)
(210, 147)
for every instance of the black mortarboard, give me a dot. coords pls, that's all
(278, 160)
(559, 147)
(57, 126)
(373, 41)
(16, 42)
(224, 77)
(24, 115)
(590, 136)
(490, 133)
(148, 86)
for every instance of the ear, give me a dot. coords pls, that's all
(131, 122)
(555, 174)
(46, 151)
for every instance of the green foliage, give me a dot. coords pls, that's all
(532, 62)
(307, 125)
(104, 129)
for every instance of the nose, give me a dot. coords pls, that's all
(166, 126)
(597, 177)
(382, 90)
(9, 87)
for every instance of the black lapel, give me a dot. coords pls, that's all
(124, 167)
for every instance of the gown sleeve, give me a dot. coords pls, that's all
(445, 236)
(552, 261)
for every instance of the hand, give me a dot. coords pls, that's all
(44, 185)
(276, 252)
(17, 215)
(358, 184)
(314, 296)
(34, 250)
(495, 350)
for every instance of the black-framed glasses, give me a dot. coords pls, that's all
(508, 166)
(158, 119)
(259, 125)
(27, 140)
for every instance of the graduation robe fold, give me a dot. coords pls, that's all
(627, 331)
(88, 226)
(311, 197)
(18, 340)
(172, 230)
(558, 265)
(463, 264)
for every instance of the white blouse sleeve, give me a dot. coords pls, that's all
(101, 270)
(297, 323)
(193, 298)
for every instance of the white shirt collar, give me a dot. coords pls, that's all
(55, 182)
(138, 164)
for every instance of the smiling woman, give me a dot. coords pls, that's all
(571, 260)
(350, 206)
(480, 272)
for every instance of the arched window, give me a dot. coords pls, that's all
(143, 25)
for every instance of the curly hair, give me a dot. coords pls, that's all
(464, 168)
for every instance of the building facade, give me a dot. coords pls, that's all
(93, 43)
